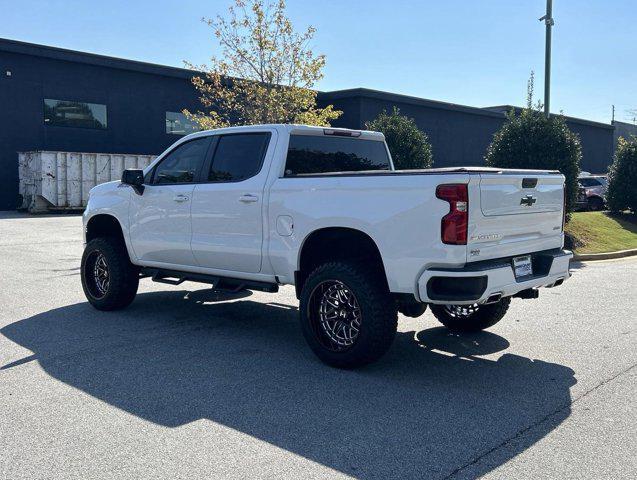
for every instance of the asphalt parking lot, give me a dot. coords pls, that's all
(187, 383)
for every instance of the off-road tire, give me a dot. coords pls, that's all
(378, 314)
(486, 316)
(123, 276)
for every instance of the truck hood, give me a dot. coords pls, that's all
(103, 188)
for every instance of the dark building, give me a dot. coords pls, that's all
(45, 94)
(597, 140)
(56, 99)
(624, 130)
(460, 134)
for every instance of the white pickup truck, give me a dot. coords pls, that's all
(324, 210)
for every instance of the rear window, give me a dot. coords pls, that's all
(324, 154)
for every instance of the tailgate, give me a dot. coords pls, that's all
(518, 213)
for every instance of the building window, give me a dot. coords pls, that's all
(178, 124)
(66, 113)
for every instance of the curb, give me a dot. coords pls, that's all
(605, 255)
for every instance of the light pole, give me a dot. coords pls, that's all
(549, 22)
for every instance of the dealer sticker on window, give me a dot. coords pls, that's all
(522, 266)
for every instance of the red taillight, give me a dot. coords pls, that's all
(454, 225)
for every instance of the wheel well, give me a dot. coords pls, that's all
(336, 243)
(103, 226)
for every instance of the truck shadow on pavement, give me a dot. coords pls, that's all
(431, 408)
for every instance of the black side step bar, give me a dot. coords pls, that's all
(174, 277)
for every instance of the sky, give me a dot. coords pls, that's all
(470, 52)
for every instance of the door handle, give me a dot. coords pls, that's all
(247, 198)
(180, 198)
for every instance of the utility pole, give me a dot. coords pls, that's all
(613, 118)
(549, 22)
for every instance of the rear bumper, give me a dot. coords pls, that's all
(480, 281)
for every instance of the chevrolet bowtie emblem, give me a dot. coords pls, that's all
(528, 201)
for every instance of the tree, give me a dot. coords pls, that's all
(622, 177)
(530, 139)
(408, 145)
(265, 74)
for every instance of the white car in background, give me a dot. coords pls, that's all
(592, 194)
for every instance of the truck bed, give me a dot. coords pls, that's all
(399, 210)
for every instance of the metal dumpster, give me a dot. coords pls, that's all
(52, 181)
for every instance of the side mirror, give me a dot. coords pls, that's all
(134, 178)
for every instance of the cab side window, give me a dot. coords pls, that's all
(183, 164)
(238, 157)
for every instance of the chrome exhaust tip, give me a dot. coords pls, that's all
(493, 298)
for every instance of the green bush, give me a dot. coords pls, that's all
(622, 177)
(408, 145)
(529, 139)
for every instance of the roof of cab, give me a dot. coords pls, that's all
(292, 129)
